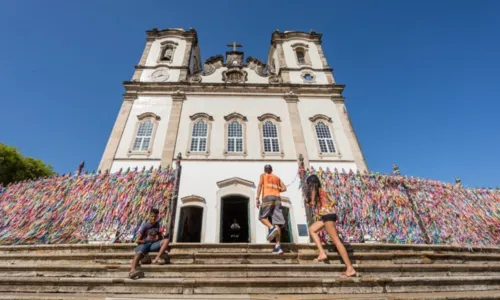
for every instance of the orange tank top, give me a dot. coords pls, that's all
(271, 185)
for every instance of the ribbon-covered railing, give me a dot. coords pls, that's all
(81, 209)
(388, 208)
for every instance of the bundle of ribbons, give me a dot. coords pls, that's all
(81, 209)
(399, 209)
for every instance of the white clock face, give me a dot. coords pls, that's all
(160, 75)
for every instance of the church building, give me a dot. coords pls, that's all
(228, 117)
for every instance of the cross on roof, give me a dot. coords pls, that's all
(234, 45)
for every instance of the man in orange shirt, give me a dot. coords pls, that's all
(270, 186)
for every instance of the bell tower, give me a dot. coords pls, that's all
(298, 58)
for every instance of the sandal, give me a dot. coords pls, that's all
(320, 260)
(136, 275)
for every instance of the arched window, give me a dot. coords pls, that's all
(325, 140)
(301, 57)
(302, 53)
(199, 137)
(270, 137)
(143, 136)
(167, 52)
(235, 137)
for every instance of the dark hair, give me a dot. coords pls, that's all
(312, 182)
(155, 211)
(268, 168)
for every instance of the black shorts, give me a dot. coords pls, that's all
(329, 218)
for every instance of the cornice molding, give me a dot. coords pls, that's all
(165, 88)
(279, 37)
(235, 115)
(139, 67)
(193, 199)
(269, 116)
(178, 96)
(320, 117)
(156, 33)
(235, 181)
(148, 115)
(338, 99)
(307, 68)
(201, 115)
(291, 97)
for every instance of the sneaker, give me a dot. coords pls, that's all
(272, 233)
(277, 250)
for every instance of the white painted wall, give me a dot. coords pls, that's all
(160, 106)
(309, 107)
(251, 107)
(320, 76)
(124, 164)
(155, 50)
(200, 179)
(291, 58)
(174, 74)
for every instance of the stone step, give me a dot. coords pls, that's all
(248, 271)
(410, 257)
(476, 295)
(238, 248)
(250, 285)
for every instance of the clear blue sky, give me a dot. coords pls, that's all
(422, 76)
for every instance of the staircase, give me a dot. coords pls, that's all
(248, 271)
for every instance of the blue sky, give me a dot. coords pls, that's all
(422, 76)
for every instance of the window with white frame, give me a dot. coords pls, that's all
(270, 137)
(143, 136)
(325, 140)
(235, 137)
(199, 136)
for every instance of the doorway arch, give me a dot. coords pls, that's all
(191, 220)
(235, 188)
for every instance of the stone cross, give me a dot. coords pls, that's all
(234, 45)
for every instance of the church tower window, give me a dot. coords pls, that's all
(199, 140)
(302, 53)
(301, 56)
(167, 52)
(324, 137)
(144, 134)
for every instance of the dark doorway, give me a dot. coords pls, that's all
(286, 231)
(190, 223)
(235, 208)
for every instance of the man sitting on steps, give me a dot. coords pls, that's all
(149, 240)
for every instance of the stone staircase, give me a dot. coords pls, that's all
(249, 271)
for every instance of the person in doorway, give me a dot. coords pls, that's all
(149, 239)
(235, 231)
(323, 205)
(270, 213)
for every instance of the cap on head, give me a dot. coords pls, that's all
(268, 169)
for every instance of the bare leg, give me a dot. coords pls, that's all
(266, 222)
(163, 249)
(313, 231)
(277, 239)
(332, 232)
(135, 262)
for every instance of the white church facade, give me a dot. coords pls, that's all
(229, 118)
